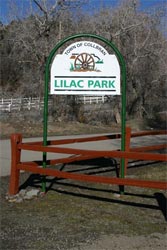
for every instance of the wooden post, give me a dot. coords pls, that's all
(15, 159)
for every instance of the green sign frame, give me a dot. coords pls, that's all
(123, 92)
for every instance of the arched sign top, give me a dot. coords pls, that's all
(85, 67)
(86, 35)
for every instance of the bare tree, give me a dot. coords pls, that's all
(26, 43)
(139, 38)
(32, 38)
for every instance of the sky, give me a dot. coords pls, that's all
(5, 16)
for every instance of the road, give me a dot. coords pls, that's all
(5, 152)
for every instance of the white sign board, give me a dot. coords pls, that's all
(85, 68)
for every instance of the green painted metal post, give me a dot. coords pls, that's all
(123, 121)
(123, 98)
(45, 122)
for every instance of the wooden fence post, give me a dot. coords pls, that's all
(15, 159)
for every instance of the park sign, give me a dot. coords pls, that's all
(85, 68)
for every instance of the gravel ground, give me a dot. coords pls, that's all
(84, 216)
(122, 242)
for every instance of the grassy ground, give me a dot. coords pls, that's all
(73, 212)
(28, 129)
(35, 129)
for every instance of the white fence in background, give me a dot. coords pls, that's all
(17, 104)
(91, 99)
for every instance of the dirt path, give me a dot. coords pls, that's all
(120, 242)
(5, 152)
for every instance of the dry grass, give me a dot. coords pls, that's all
(75, 212)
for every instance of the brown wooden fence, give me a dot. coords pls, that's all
(137, 153)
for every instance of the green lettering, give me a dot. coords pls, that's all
(73, 84)
(111, 84)
(90, 83)
(64, 84)
(79, 84)
(104, 84)
(97, 84)
(56, 84)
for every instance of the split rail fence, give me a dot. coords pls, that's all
(144, 153)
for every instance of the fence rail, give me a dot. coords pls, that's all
(91, 99)
(11, 104)
(28, 103)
